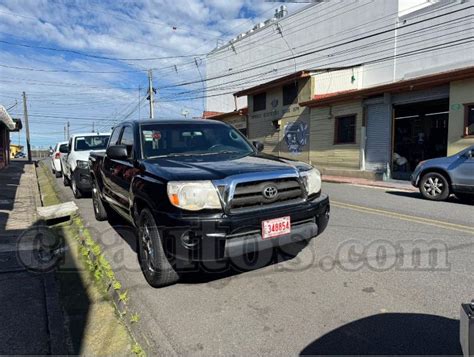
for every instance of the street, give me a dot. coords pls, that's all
(386, 277)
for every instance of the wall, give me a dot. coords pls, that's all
(291, 138)
(337, 81)
(461, 92)
(325, 35)
(323, 152)
(315, 28)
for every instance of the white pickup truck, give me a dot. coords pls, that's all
(75, 165)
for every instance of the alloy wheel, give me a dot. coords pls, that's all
(434, 186)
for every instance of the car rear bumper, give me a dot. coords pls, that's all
(217, 237)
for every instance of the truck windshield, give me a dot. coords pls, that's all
(87, 143)
(161, 140)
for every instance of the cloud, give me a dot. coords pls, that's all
(119, 29)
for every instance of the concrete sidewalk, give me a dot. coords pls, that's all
(32, 320)
(393, 185)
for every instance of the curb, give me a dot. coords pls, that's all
(102, 273)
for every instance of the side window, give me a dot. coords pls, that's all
(127, 139)
(469, 120)
(115, 136)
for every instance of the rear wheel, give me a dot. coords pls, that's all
(155, 266)
(58, 174)
(75, 190)
(434, 186)
(100, 211)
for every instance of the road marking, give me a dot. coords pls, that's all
(416, 219)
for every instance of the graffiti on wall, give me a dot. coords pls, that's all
(296, 136)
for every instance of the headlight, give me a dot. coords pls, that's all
(312, 181)
(193, 195)
(82, 164)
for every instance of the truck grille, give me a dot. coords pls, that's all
(249, 195)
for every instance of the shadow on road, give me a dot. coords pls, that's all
(391, 334)
(417, 195)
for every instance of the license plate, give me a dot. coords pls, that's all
(276, 227)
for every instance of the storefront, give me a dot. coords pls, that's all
(395, 126)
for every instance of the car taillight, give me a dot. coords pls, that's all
(58, 155)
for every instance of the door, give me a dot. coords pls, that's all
(108, 170)
(463, 174)
(121, 172)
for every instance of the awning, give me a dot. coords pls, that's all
(6, 119)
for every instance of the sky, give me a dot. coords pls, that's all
(86, 61)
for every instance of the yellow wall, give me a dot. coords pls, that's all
(323, 152)
(461, 92)
(15, 149)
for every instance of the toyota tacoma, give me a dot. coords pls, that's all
(199, 191)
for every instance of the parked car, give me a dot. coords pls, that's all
(60, 149)
(75, 165)
(438, 178)
(20, 155)
(197, 191)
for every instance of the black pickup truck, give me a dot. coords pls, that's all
(199, 191)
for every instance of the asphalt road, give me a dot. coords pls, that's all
(387, 277)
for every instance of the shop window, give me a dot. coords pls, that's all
(290, 93)
(259, 102)
(345, 131)
(469, 120)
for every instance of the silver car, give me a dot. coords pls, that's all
(438, 178)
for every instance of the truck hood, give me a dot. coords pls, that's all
(219, 167)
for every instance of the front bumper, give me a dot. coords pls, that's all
(83, 179)
(213, 237)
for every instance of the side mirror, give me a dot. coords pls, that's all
(117, 152)
(470, 154)
(258, 145)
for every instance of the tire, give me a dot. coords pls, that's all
(434, 186)
(65, 179)
(75, 190)
(99, 205)
(58, 174)
(155, 266)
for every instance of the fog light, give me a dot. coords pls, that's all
(190, 240)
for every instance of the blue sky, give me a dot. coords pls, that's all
(84, 61)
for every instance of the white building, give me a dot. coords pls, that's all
(393, 39)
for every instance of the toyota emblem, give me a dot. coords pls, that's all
(270, 192)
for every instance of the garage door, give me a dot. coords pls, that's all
(378, 144)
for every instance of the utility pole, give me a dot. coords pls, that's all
(139, 111)
(150, 92)
(67, 131)
(27, 127)
(93, 129)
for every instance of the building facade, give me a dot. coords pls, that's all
(7, 124)
(391, 84)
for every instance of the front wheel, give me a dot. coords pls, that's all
(66, 181)
(155, 266)
(434, 186)
(100, 211)
(75, 190)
